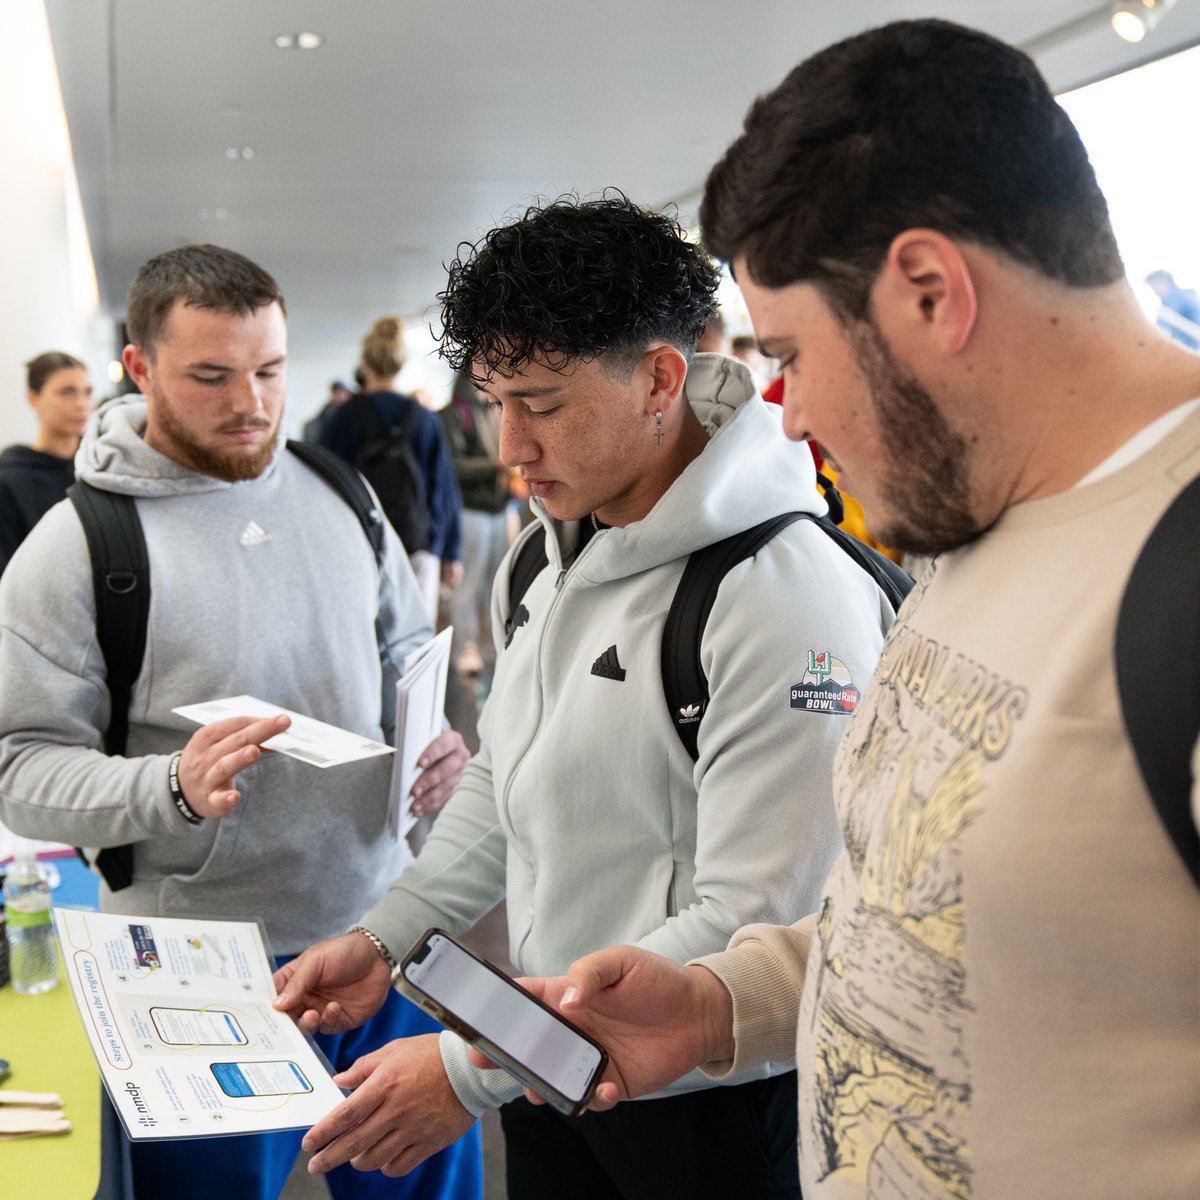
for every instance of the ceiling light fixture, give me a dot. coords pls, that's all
(298, 41)
(233, 153)
(1132, 20)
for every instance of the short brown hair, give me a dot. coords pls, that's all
(202, 276)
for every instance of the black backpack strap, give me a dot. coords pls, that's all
(530, 561)
(348, 484)
(1158, 667)
(894, 581)
(837, 507)
(684, 682)
(121, 583)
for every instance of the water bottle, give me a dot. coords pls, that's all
(32, 958)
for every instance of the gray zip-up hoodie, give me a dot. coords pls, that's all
(267, 588)
(582, 804)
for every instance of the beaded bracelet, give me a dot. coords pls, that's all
(375, 941)
(185, 809)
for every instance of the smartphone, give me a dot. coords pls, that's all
(474, 999)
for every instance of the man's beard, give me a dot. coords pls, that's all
(927, 485)
(225, 465)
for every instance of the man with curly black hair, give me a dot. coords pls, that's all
(579, 321)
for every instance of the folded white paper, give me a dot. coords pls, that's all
(420, 717)
(307, 739)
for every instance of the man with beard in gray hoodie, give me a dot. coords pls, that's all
(263, 583)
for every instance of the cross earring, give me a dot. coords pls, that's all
(658, 433)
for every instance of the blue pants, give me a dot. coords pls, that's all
(256, 1166)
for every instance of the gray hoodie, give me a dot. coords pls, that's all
(267, 588)
(582, 805)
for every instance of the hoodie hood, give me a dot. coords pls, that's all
(114, 457)
(749, 472)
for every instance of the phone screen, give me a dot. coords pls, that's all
(500, 1011)
(239, 1080)
(197, 1027)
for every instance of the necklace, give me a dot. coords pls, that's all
(595, 524)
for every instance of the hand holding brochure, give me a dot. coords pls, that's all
(178, 1013)
(420, 716)
(307, 739)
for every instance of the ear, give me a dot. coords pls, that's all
(137, 365)
(666, 370)
(926, 291)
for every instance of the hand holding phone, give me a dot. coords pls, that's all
(489, 1010)
(657, 1019)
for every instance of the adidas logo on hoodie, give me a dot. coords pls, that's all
(607, 666)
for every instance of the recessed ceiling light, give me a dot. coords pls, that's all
(298, 41)
(233, 153)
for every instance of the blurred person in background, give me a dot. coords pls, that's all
(352, 428)
(712, 340)
(34, 478)
(339, 393)
(1179, 317)
(745, 349)
(472, 431)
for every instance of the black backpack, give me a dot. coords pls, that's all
(121, 582)
(685, 685)
(387, 462)
(1158, 666)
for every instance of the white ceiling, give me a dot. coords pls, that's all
(421, 123)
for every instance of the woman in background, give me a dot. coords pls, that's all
(35, 478)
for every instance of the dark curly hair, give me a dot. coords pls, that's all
(914, 124)
(572, 281)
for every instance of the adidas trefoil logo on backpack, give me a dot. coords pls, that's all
(254, 535)
(608, 667)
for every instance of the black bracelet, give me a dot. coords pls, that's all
(185, 809)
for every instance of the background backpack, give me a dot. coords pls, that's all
(121, 583)
(387, 462)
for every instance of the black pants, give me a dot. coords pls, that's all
(728, 1143)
